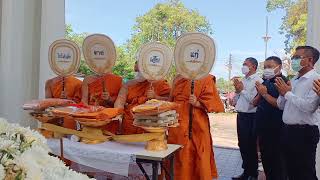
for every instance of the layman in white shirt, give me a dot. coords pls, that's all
(299, 101)
(246, 128)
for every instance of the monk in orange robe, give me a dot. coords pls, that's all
(66, 88)
(102, 91)
(136, 92)
(196, 159)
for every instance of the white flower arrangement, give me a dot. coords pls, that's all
(24, 156)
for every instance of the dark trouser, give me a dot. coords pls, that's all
(246, 129)
(271, 148)
(300, 151)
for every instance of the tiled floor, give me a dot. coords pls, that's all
(228, 162)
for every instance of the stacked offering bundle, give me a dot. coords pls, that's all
(155, 113)
(40, 109)
(42, 104)
(93, 116)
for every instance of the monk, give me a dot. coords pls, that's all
(196, 159)
(136, 92)
(102, 91)
(66, 88)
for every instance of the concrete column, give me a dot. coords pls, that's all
(52, 28)
(27, 29)
(20, 49)
(313, 39)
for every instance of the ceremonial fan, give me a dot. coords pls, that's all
(64, 59)
(194, 56)
(100, 54)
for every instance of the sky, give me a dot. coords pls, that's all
(238, 25)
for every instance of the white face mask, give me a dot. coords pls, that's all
(139, 76)
(269, 73)
(136, 74)
(245, 70)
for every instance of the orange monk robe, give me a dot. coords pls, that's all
(94, 91)
(137, 94)
(196, 159)
(72, 87)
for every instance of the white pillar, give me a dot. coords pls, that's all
(313, 39)
(20, 49)
(26, 29)
(52, 28)
(313, 33)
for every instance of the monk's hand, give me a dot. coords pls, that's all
(63, 95)
(151, 94)
(316, 86)
(119, 119)
(282, 86)
(262, 89)
(106, 96)
(193, 100)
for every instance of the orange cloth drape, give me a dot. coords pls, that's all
(72, 87)
(196, 159)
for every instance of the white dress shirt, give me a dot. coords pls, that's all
(300, 104)
(244, 98)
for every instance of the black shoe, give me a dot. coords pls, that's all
(241, 177)
(252, 178)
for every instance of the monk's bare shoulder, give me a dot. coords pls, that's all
(89, 79)
(133, 82)
(51, 81)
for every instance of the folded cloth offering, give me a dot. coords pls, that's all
(106, 113)
(42, 104)
(90, 112)
(154, 107)
(155, 113)
(76, 109)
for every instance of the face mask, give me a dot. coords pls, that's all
(136, 74)
(295, 64)
(245, 70)
(269, 73)
(139, 76)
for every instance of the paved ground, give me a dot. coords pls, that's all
(224, 130)
(228, 162)
(227, 155)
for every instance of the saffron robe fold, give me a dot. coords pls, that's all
(196, 159)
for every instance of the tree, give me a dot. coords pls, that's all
(294, 23)
(123, 66)
(78, 39)
(165, 22)
(224, 85)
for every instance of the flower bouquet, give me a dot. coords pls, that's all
(24, 155)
